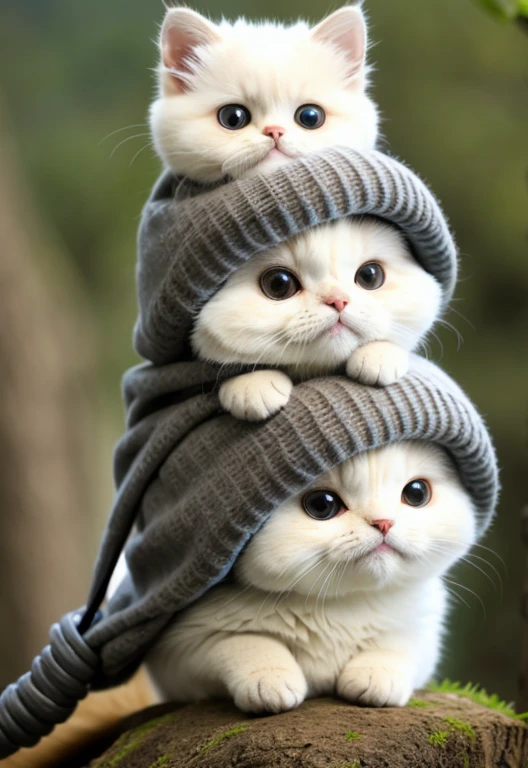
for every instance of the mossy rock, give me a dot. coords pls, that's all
(443, 730)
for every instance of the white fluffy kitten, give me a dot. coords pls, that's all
(239, 99)
(344, 294)
(340, 591)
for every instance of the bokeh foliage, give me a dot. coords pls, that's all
(505, 9)
(453, 88)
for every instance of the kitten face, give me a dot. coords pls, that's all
(346, 552)
(269, 71)
(336, 309)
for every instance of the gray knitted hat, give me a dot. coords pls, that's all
(198, 483)
(192, 238)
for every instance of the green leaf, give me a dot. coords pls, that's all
(522, 7)
(502, 9)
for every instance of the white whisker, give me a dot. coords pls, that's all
(126, 128)
(124, 141)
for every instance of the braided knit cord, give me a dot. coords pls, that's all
(41, 699)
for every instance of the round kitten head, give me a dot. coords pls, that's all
(239, 99)
(310, 302)
(387, 517)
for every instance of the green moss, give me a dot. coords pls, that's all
(163, 760)
(438, 738)
(234, 731)
(479, 696)
(124, 746)
(131, 740)
(465, 760)
(150, 725)
(352, 735)
(461, 726)
(418, 703)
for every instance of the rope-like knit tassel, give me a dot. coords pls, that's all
(41, 699)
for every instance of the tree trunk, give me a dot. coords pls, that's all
(522, 702)
(440, 730)
(46, 521)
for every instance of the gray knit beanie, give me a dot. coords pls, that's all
(191, 238)
(197, 483)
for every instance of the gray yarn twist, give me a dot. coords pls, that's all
(60, 677)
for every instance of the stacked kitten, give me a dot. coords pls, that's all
(345, 295)
(341, 590)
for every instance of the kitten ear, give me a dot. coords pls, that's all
(182, 32)
(347, 31)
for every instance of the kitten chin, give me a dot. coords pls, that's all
(352, 603)
(205, 67)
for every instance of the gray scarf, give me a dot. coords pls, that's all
(197, 483)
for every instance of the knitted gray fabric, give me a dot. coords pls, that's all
(192, 238)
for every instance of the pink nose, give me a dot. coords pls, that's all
(333, 301)
(274, 131)
(383, 525)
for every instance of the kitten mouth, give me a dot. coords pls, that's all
(339, 327)
(380, 550)
(276, 153)
(384, 547)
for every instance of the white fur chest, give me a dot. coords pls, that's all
(322, 634)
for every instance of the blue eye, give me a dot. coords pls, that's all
(310, 116)
(234, 116)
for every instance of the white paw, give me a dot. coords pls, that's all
(374, 686)
(276, 689)
(378, 364)
(255, 396)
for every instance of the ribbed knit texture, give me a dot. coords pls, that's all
(192, 238)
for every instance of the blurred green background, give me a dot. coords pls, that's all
(452, 84)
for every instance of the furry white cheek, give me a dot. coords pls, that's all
(354, 122)
(241, 325)
(189, 139)
(241, 320)
(411, 305)
(369, 315)
(434, 538)
(289, 547)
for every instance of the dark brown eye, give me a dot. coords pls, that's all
(370, 276)
(279, 284)
(416, 493)
(322, 505)
(234, 116)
